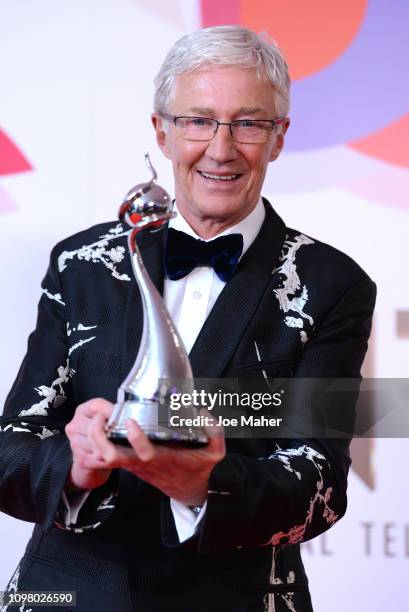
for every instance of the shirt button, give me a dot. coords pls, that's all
(197, 295)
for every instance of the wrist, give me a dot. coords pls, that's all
(70, 487)
(79, 480)
(197, 500)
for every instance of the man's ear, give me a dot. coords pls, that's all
(161, 134)
(279, 143)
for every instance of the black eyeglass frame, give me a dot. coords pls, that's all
(173, 119)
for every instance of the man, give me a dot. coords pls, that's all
(154, 528)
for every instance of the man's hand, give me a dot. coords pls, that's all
(180, 473)
(88, 470)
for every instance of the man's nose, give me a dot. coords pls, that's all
(222, 147)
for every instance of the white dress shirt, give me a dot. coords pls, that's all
(189, 301)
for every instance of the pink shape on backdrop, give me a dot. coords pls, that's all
(219, 12)
(6, 203)
(384, 187)
(389, 144)
(12, 159)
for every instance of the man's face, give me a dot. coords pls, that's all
(223, 93)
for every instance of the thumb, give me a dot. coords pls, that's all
(214, 432)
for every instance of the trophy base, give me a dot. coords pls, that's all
(170, 438)
(158, 430)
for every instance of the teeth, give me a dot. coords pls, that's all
(232, 177)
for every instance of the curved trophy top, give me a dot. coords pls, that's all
(147, 205)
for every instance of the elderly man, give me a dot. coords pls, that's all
(151, 528)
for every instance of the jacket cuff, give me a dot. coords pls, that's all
(95, 509)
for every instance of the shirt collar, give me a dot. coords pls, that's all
(248, 227)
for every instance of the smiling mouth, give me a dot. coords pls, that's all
(216, 177)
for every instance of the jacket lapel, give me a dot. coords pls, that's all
(238, 301)
(233, 309)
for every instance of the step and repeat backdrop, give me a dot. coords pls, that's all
(75, 102)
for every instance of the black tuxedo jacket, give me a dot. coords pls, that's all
(295, 307)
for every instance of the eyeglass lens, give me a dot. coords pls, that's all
(198, 128)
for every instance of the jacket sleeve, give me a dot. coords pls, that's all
(297, 490)
(35, 454)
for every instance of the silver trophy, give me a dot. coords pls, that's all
(162, 366)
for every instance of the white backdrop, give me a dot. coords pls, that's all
(75, 99)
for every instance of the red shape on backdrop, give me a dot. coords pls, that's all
(389, 144)
(11, 158)
(219, 12)
(312, 34)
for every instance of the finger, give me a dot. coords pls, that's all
(214, 432)
(212, 429)
(90, 462)
(78, 429)
(113, 455)
(83, 446)
(142, 446)
(84, 413)
(86, 408)
(81, 442)
(100, 406)
(106, 449)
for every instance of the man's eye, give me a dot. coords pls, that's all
(247, 123)
(200, 122)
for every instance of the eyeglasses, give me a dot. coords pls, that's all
(246, 131)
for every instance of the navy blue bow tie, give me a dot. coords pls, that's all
(184, 253)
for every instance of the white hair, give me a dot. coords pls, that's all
(224, 46)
